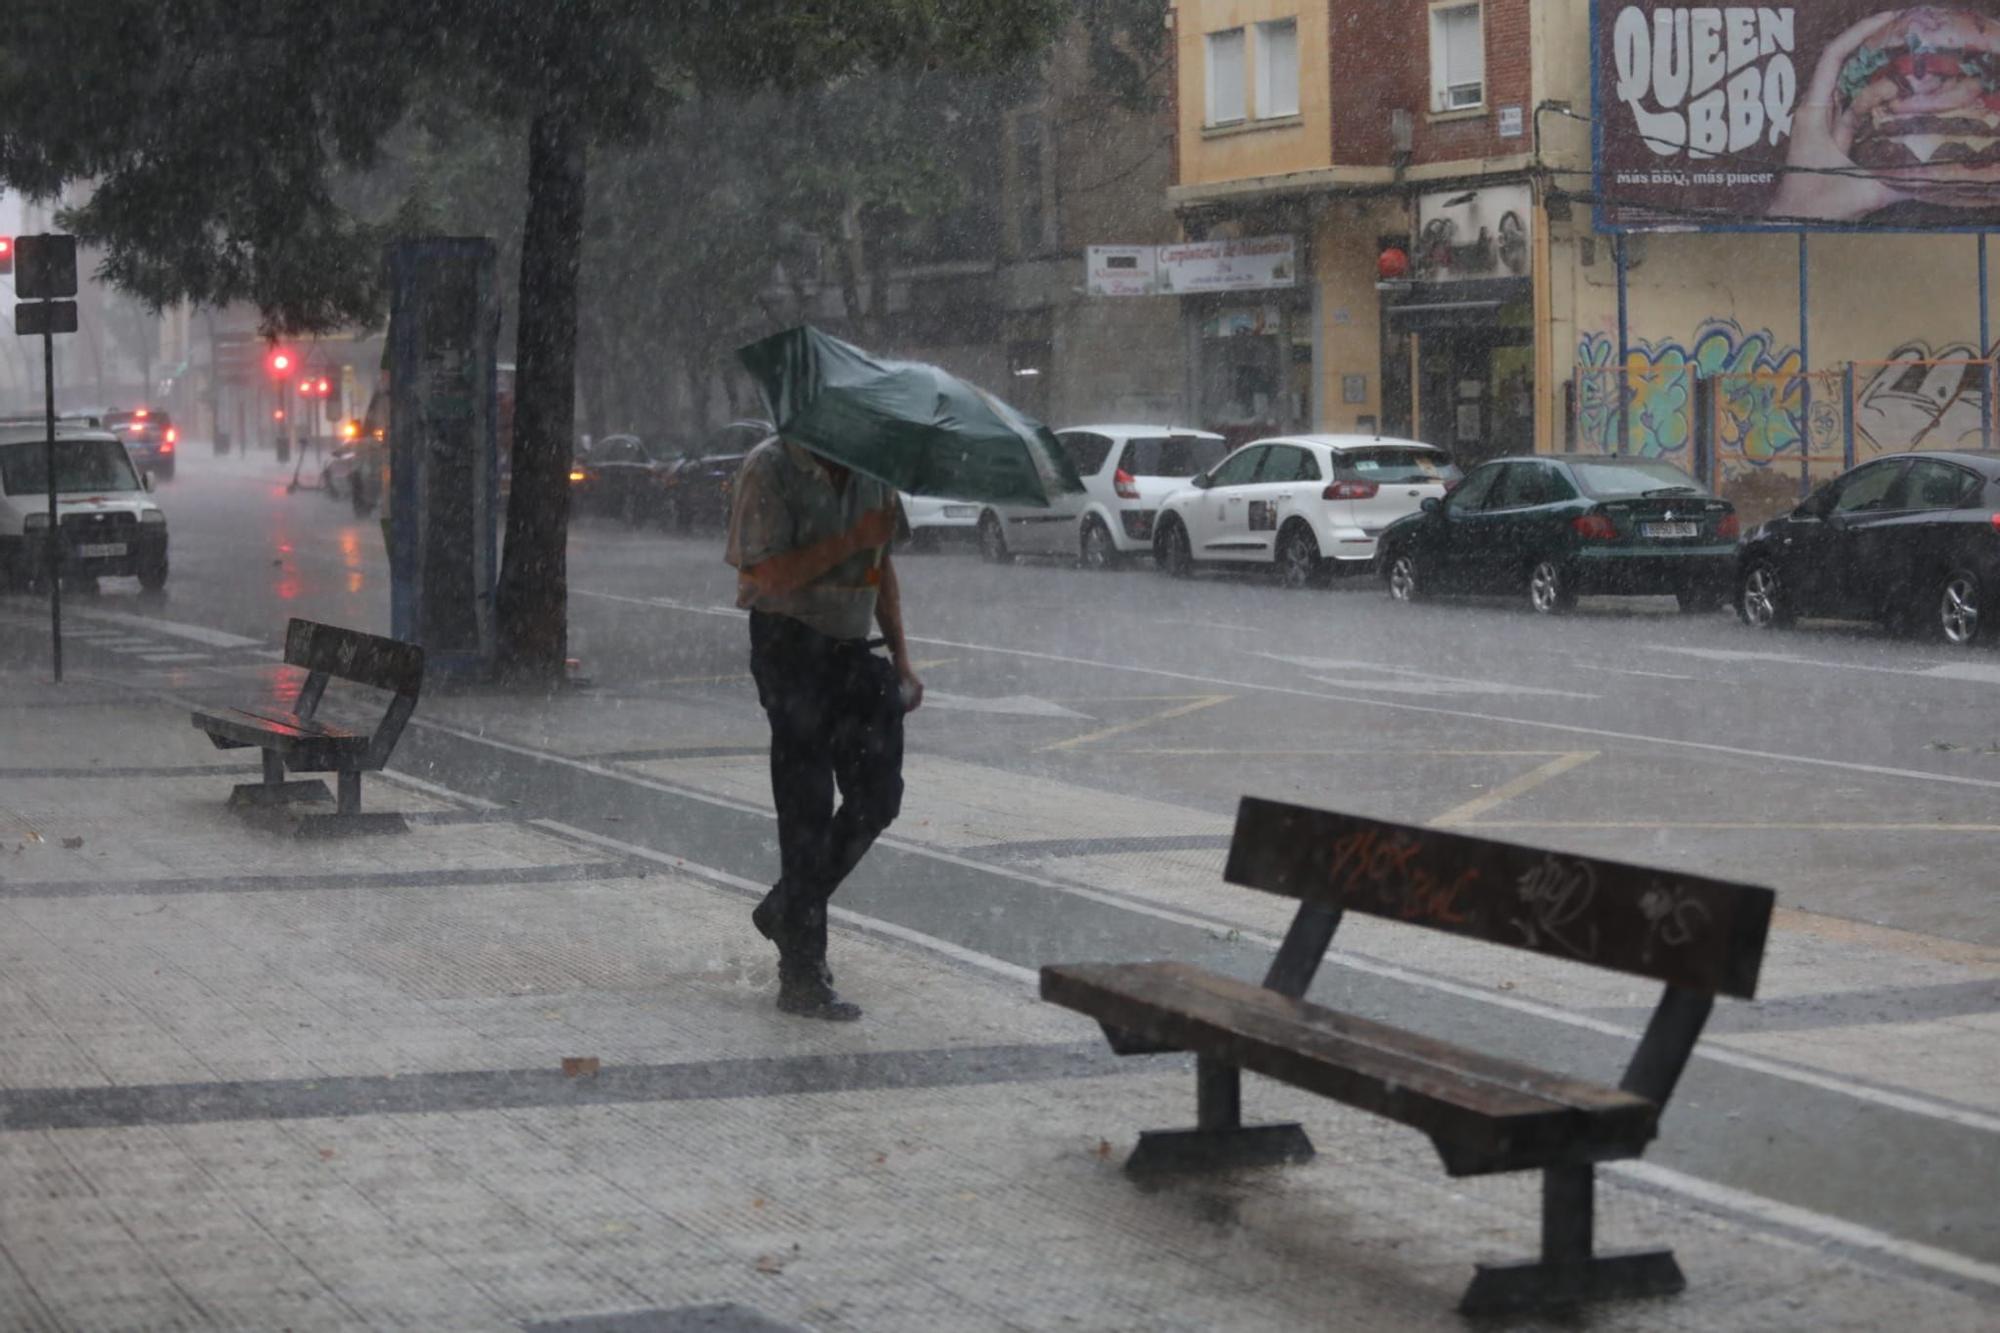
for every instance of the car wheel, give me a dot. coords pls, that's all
(1761, 599)
(1299, 564)
(153, 574)
(1699, 601)
(1957, 620)
(993, 540)
(1550, 590)
(1171, 551)
(1405, 578)
(1098, 550)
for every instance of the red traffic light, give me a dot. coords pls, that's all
(279, 362)
(6, 254)
(323, 387)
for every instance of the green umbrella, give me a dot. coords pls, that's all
(905, 423)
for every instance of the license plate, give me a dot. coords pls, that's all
(961, 511)
(100, 550)
(1669, 529)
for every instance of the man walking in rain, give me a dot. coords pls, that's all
(809, 540)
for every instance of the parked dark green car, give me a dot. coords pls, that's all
(1555, 529)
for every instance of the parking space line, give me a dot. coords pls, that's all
(1195, 705)
(1521, 786)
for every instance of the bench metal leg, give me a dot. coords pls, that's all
(350, 793)
(1220, 1140)
(1569, 1272)
(274, 790)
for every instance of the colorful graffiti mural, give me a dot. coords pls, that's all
(1761, 395)
(1920, 396)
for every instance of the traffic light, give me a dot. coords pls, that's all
(6, 254)
(322, 387)
(279, 362)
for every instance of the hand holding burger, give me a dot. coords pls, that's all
(1822, 180)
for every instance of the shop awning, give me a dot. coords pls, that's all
(1472, 303)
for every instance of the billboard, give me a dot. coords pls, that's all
(1834, 115)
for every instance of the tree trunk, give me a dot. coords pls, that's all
(534, 596)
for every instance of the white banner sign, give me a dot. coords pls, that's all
(1255, 264)
(1119, 270)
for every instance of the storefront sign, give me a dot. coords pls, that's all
(1119, 270)
(1254, 264)
(1242, 322)
(1841, 114)
(1473, 234)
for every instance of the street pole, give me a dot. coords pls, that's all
(53, 561)
(1805, 372)
(1623, 266)
(1985, 356)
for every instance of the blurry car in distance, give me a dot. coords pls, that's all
(929, 521)
(1127, 471)
(1909, 540)
(1308, 505)
(699, 487)
(108, 523)
(1553, 530)
(150, 437)
(621, 475)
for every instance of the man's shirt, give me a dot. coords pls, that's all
(786, 502)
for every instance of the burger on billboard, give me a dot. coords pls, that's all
(1839, 114)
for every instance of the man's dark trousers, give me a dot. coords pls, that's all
(836, 717)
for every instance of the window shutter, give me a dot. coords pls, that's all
(1277, 69)
(1225, 76)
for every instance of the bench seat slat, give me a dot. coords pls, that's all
(278, 731)
(1502, 1114)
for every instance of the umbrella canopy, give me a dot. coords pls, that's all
(905, 423)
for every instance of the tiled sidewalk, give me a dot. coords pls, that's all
(253, 1083)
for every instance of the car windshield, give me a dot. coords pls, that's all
(1392, 466)
(1615, 480)
(1171, 455)
(81, 465)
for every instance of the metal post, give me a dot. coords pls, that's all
(1847, 426)
(1985, 352)
(1218, 1092)
(1805, 377)
(1569, 1198)
(1621, 264)
(53, 562)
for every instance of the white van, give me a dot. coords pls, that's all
(104, 509)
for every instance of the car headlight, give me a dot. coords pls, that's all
(152, 516)
(36, 523)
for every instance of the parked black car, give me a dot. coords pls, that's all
(1909, 540)
(699, 488)
(624, 476)
(1557, 529)
(150, 437)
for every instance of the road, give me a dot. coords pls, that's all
(1087, 736)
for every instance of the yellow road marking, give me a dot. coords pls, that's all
(1197, 704)
(1507, 791)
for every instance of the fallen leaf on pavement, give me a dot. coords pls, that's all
(326, 1154)
(34, 836)
(579, 1066)
(770, 1265)
(1104, 1147)
(881, 1159)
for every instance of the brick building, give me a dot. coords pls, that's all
(1391, 142)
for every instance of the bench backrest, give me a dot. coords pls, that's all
(1699, 934)
(348, 654)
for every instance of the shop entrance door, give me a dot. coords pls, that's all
(1476, 392)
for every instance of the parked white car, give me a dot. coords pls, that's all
(1127, 471)
(1312, 505)
(932, 520)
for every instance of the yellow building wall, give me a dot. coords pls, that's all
(1300, 143)
(1350, 309)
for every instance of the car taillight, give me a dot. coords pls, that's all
(1594, 527)
(1122, 483)
(1350, 490)
(173, 435)
(1730, 528)
(167, 447)
(576, 474)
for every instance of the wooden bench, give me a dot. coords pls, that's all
(296, 740)
(1701, 937)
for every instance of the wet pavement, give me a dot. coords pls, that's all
(1071, 784)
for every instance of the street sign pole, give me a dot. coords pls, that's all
(53, 562)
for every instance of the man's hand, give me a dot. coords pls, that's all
(1821, 180)
(913, 688)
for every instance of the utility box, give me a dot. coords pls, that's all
(444, 469)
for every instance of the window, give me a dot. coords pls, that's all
(1868, 488)
(1277, 69)
(1086, 451)
(1471, 493)
(1930, 484)
(81, 465)
(1394, 467)
(1609, 480)
(1239, 468)
(1225, 77)
(1172, 456)
(1458, 58)
(1287, 463)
